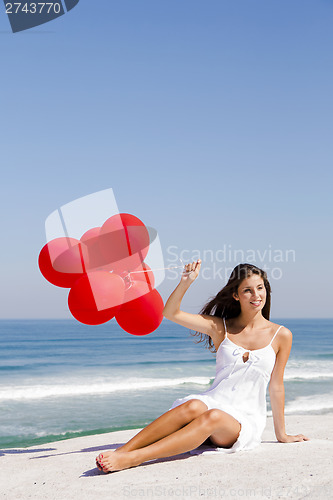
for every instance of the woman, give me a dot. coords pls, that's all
(251, 351)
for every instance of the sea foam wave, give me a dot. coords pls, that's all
(309, 404)
(308, 369)
(306, 375)
(17, 393)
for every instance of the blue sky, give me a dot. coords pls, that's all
(211, 122)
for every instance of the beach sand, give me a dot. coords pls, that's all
(65, 470)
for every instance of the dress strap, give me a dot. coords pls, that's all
(225, 329)
(275, 334)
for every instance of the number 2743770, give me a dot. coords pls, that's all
(33, 8)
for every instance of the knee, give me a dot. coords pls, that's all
(194, 408)
(213, 418)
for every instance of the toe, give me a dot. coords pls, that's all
(106, 466)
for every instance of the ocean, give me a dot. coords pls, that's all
(61, 379)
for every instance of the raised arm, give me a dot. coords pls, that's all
(204, 323)
(276, 389)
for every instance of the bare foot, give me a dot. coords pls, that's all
(116, 460)
(105, 455)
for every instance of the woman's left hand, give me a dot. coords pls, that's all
(293, 439)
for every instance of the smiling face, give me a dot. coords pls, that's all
(251, 293)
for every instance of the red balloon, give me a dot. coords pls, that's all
(62, 261)
(145, 274)
(90, 241)
(124, 242)
(135, 290)
(91, 235)
(143, 315)
(95, 298)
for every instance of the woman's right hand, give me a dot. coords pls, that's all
(203, 323)
(191, 272)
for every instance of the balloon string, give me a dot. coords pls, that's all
(164, 268)
(160, 269)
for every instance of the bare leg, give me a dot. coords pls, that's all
(225, 428)
(164, 425)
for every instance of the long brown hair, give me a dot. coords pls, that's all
(225, 306)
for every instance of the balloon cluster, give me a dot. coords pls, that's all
(99, 270)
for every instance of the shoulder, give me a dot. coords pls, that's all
(284, 333)
(284, 339)
(283, 348)
(281, 337)
(281, 331)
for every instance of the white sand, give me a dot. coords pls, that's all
(66, 470)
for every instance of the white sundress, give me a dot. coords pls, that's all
(239, 388)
